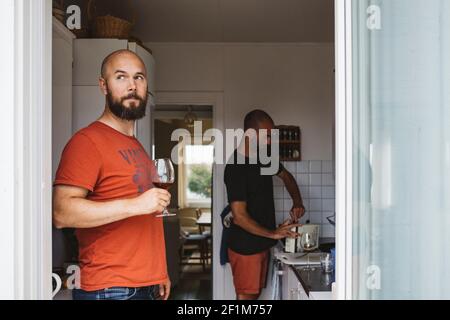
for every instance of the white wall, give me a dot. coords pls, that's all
(293, 82)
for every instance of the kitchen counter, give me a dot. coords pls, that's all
(313, 279)
(303, 281)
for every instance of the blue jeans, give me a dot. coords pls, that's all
(118, 293)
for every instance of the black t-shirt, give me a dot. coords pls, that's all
(245, 183)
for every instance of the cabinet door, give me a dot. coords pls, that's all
(88, 57)
(149, 62)
(61, 97)
(88, 106)
(143, 130)
(285, 294)
(61, 119)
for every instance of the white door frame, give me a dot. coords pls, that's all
(344, 146)
(214, 99)
(26, 186)
(26, 165)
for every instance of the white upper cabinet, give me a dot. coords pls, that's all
(149, 61)
(61, 90)
(89, 55)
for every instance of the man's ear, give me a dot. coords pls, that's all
(102, 85)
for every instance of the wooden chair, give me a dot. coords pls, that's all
(193, 241)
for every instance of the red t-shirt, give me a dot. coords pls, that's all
(112, 165)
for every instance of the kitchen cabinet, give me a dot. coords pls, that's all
(61, 117)
(291, 287)
(88, 100)
(61, 90)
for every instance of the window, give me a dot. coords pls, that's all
(196, 175)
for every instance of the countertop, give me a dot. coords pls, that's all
(316, 283)
(313, 279)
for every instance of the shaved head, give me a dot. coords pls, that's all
(254, 119)
(108, 61)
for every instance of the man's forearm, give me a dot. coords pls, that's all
(251, 226)
(83, 213)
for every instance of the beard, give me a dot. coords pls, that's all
(133, 112)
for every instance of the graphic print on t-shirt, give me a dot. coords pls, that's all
(142, 177)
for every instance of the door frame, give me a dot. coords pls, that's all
(26, 188)
(214, 99)
(344, 147)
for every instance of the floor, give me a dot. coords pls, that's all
(194, 284)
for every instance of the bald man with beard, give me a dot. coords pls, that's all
(103, 189)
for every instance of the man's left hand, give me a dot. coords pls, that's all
(164, 290)
(297, 212)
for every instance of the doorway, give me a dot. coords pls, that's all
(190, 256)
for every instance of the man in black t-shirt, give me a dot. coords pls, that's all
(250, 194)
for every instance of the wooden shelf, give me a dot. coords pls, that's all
(289, 146)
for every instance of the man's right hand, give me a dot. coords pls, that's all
(151, 201)
(285, 231)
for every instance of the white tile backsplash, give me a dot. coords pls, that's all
(306, 204)
(304, 191)
(328, 205)
(315, 204)
(315, 217)
(315, 179)
(317, 187)
(315, 192)
(279, 205)
(303, 179)
(291, 167)
(287, 204)
(279, 218)
(327, 179)
(328, 193)
(315, 167)
(286, 215)
(327, 167)
(303, 167)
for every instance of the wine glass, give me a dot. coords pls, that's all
(164, 178)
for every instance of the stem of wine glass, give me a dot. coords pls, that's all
(165, 213)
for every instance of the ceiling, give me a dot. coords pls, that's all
(228, 20)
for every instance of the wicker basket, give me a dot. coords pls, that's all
(59, 14)
(109, 26)
(58, 10)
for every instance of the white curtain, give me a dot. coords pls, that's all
(401, 162)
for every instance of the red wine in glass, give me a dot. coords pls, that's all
(163, 185)
(164, 178)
